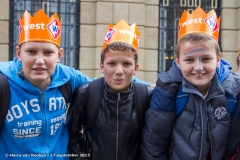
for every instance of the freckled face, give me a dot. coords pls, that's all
(118, 68)
(198, 62)
(39, 61)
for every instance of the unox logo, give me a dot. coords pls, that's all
(220, 112)
(54, 28)
(211, 22)
(110, 33)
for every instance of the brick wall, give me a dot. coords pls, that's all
(4, 30)
(95, 18)
(230, 27)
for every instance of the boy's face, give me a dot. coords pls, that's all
(118, 68)
(198, 61)
(38, 61)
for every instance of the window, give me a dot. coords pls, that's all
(68, 11)
(169, 13)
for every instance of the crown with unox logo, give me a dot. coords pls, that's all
(40, 28)
(199, 22)
(122, 32)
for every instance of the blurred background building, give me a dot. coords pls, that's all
(85, 23)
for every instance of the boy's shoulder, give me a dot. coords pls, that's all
(64, 73)
(170, 80)
(5, 64)
(172, 75)
(82, 89)
(95, 85)
(231, 84)
(235, 76)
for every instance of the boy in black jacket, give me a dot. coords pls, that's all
(113, 131)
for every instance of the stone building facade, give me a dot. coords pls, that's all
(95, 15)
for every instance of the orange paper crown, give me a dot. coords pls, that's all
(40, 28)
(199, 22)
(239, 49)
(122, 32)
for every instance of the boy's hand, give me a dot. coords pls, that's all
(153, 85)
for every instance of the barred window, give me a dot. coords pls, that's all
(69, 13)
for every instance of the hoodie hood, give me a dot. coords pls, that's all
(12, 71)
(223, 70)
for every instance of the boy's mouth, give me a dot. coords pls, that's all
(118, 80)
(198, 74)
(39, 69)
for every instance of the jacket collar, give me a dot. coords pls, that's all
(112, 96)
(174, 75)
(215, 88)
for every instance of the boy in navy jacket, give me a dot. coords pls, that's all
(201, 130)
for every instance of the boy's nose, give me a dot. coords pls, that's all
(39, 59)
(198, 65)
(119, 69)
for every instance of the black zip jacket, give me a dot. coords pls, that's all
(115, 134)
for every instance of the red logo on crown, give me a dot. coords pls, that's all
(110, 33)
(54, 28)
(211, 22)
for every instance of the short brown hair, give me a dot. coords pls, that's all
(196, 37)
(120, 46)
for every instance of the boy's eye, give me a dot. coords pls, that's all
(31, 51)
(189, 60)
(111, 63)
(48, 52)
(127, 64)
(206, 59)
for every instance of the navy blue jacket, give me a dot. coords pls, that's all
(203, 123)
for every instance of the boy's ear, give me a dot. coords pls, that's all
(60, 54)
(18, 53)
(177, 60)
(219, 59)
(136, 68)
(101, 68)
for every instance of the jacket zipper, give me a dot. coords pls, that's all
(210, 138)
(44, 135)
(210, 143)
(118, 100)
(42, 97)
(200, 155)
